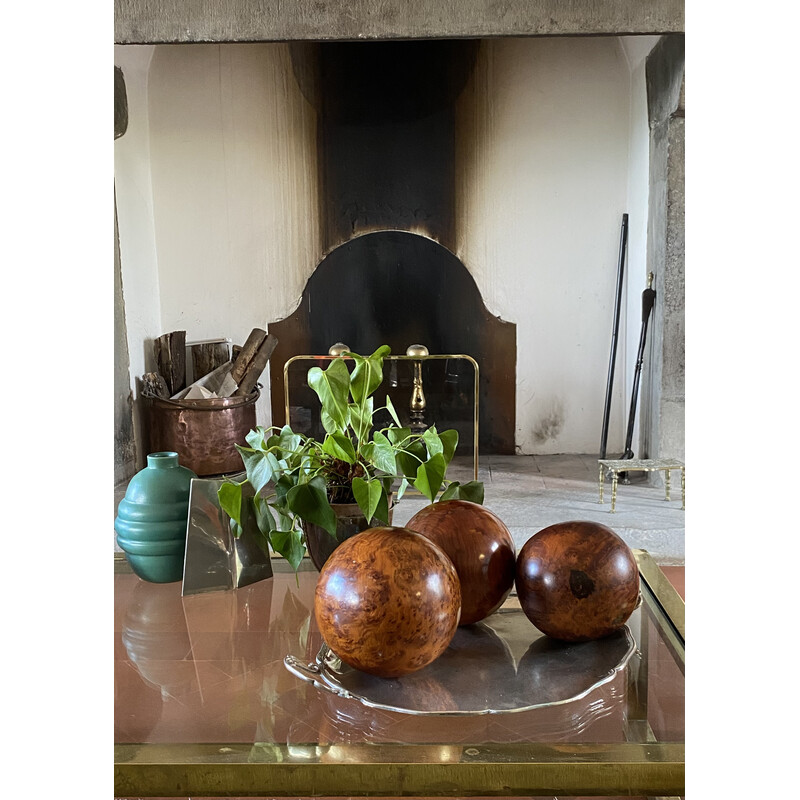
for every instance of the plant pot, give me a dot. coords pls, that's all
(151, 519)
(350, 520)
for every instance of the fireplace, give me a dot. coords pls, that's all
(460, 177)
(386, 120)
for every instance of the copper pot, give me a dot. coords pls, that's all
(202, 432)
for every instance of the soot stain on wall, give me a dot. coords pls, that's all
(550, 424)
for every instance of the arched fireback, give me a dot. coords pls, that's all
(398, 288)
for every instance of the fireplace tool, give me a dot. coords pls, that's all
(623, 246)
(648, 299)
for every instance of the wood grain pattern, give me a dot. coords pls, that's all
(388, 601)
(577, 581)
(480, 547)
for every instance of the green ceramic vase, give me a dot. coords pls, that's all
(151, 519)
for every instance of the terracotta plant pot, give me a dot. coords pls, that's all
(350, 520)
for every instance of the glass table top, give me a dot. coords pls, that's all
(206, 706)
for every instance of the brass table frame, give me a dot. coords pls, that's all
(616, 465)
(496, 770)
(430, 357)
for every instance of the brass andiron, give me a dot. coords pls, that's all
(418, 402)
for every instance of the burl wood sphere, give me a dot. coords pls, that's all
(480, 547)
(388, 601)
(577, 581)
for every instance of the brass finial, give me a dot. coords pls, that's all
(417, 350)
(337, 349)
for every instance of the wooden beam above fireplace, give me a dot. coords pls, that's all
(175, 21)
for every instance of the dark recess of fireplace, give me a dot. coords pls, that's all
(386, 155)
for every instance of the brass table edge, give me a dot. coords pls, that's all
(172, 771)
(664, 592)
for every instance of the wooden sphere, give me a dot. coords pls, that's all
(480, 547)
(577, 581)
(387, 601)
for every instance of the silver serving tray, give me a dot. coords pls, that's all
(498, 666)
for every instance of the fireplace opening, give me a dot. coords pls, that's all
(386, 119)
(399, 288)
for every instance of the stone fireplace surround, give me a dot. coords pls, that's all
(661, 404)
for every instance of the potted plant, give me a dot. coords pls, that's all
(298, 483)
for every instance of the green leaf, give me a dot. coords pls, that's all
(382, 511)
(432, 442)
(402, 489)
(339, 446)
(410, 458)
(449, 440)
(310, 502)
(368, 373)
(230, 500)
(256, 438)
(367, 495)
(384, 454)
(451, 492)
(288, 440)
(264, 518)
(332, 386)
(361, 418)
(472, 491)
(396, 435)
(391, 410)
(257, 466)
(289, 544)
(430, 475)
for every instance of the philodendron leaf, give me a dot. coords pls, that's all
(289, 544)
(449, 440)
(264, 519)
(383, 455)
(368, 373)
(367, 495)
(472, 491)
(432, 441)
(382, 511)
(230, 500)
(288, 439)
(410, 458)
(256, 438)
(361, 418)
(310, 502)
(451, 492)
(402, 489)
(390, 409)
(430, 475)
(339, 446)
(257, 466)
(332, 386)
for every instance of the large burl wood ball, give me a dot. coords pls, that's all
(388, 601)
(480, 547)
(577, 581)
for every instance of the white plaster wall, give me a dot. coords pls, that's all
(135, 215)
(232, 149)
(543, 186)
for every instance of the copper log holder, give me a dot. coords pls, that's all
(417, 358)
(202, 432)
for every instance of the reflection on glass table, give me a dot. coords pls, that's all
(203, 700)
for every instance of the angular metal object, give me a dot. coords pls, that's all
(215, 559)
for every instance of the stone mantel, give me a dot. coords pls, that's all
(176, 21)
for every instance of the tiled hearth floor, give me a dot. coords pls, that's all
(531, 492)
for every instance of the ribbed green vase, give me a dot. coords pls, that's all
(151, 519)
